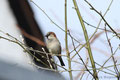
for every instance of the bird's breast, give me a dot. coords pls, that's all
(54, 47)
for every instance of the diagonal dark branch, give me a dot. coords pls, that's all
(92, 8)
(79, 55)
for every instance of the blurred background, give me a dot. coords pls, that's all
(36, 23)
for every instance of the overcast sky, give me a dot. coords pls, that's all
(55, 10)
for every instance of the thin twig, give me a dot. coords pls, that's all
(107, 60)
(48, 59)
(47, 15)
(66, 43)
(80, 56)
(23, 46)
(94, 26)
(92, 8)
(114, 61)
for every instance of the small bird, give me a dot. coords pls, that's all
(54, 45)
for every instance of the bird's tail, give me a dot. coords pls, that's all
(61, 61)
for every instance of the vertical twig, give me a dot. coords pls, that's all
(114, 61)
(87, 41)
(66, 43)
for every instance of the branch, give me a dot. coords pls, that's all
(87, 41)
(66, 43)
(92, 8)
(114, 61)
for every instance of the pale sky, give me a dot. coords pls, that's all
(55, 10)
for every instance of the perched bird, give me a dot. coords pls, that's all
(54, 45)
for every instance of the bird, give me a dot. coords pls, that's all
(54, 45)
